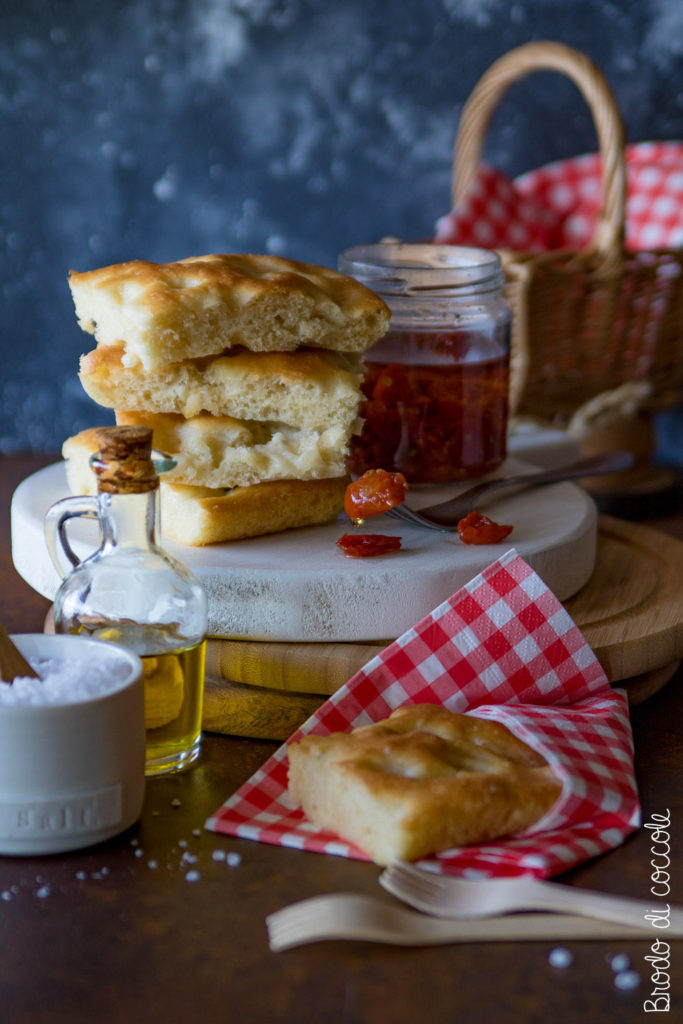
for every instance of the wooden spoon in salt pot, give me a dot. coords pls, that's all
(12, 662)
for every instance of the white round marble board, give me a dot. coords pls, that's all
(297, 585)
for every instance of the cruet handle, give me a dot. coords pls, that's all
(56, 518)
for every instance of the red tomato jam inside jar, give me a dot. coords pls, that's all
(433, 423)
(435, 391)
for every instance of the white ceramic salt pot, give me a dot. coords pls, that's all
(72, 774)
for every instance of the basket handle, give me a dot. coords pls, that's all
(549, 56)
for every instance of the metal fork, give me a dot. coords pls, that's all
(449, 897)
(365, 918)
(445, 516)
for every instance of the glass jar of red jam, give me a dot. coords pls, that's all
(436, 385)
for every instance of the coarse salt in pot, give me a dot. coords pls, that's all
(72, 746)
(436, 385)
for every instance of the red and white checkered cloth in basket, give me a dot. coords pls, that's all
(555, 206)
(502, 647)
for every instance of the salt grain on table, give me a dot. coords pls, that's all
(626, 980)
(560, 957)
(620, 962)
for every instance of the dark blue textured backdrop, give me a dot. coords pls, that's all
(165, 128)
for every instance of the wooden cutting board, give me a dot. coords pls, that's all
(630, 612)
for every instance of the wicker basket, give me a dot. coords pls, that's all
(585, 322)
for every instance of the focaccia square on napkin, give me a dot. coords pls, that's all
(502, 649)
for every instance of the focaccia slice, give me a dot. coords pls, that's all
(221, 451)
(421, 781)
(307, 389)
(201, 515)
(166, 312)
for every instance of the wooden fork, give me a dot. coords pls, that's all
(449, 897)
(365, 918)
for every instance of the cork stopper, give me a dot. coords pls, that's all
(124, 464)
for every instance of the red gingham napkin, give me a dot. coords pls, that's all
(555, 206)
(502, 647)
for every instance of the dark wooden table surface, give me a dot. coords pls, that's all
(119, 933)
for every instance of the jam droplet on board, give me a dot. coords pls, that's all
(367, 545)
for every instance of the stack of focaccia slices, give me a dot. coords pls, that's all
(248, 370)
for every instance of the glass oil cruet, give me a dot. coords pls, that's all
(132, 592)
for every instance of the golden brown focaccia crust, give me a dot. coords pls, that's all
(167, 312)
(201, 515)
(313, 390)
(421, 781)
